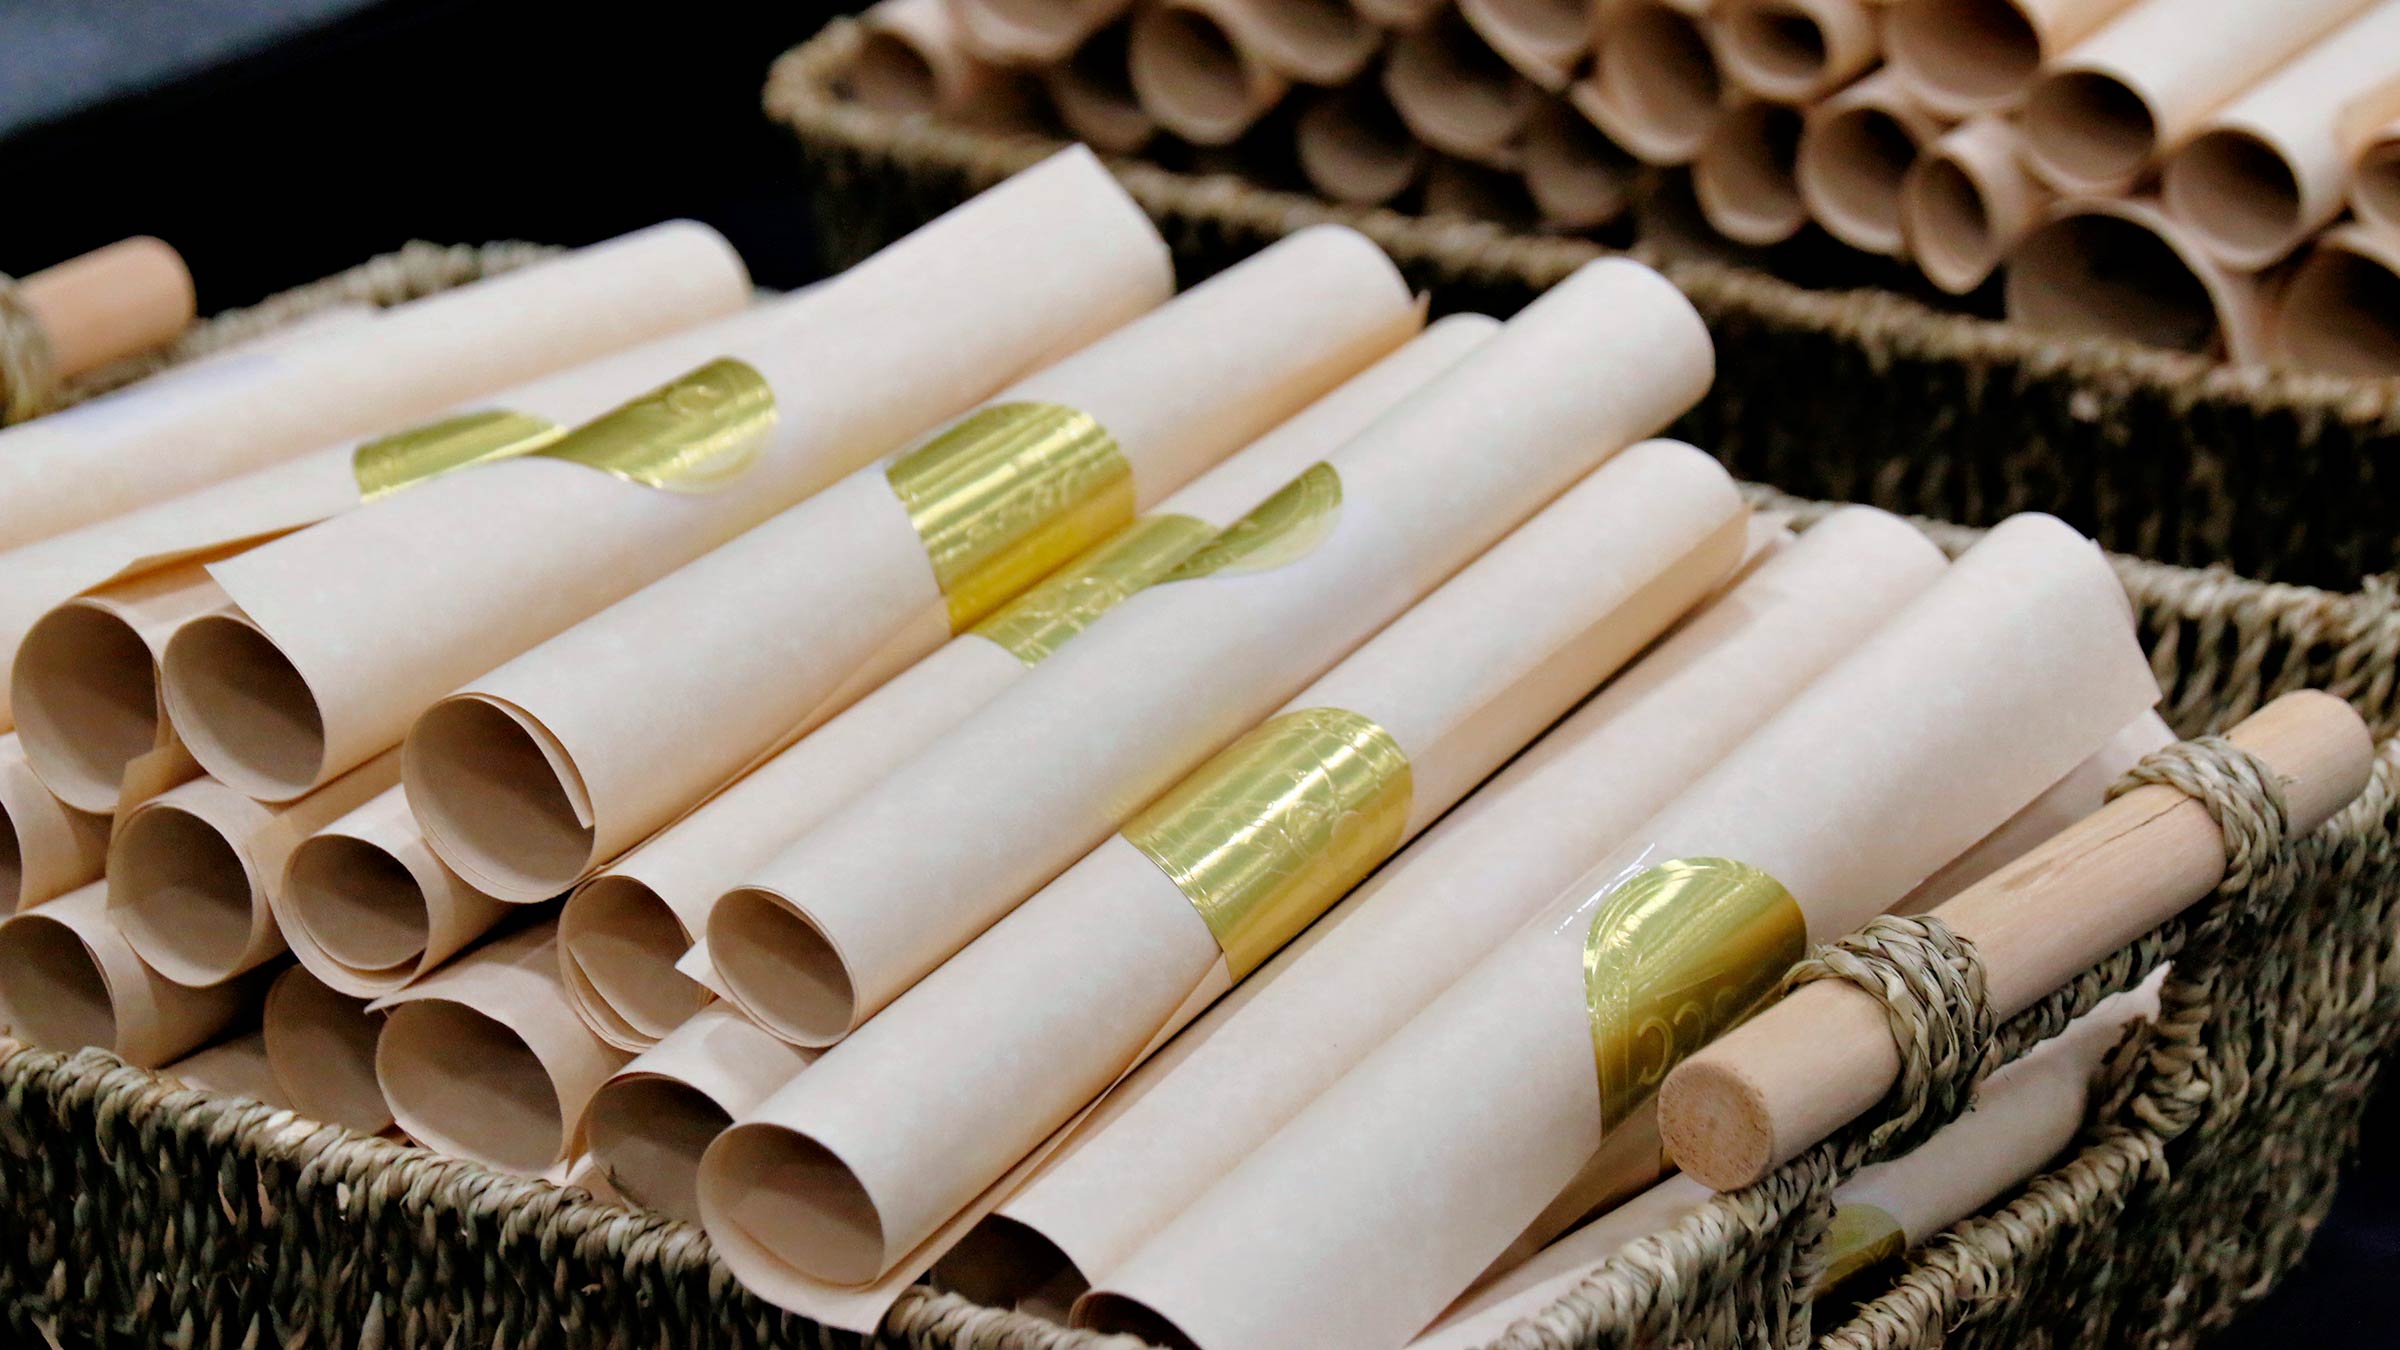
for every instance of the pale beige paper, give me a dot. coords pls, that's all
(2333, 314)
(1044, 772)
(1962, 57)
(1949, 718)
(1655, 88)
(1031, 32)
(1193, 78)
(1354, 147)
(553, 764)
(1967, 201)
(2117, 267)
(366, 907)
(914, 58)
(649, 1123)
(1795, 51)
(163, 438)
(47, 847)
(190, 871)
(69, 979)
(320, 1044)
(1544, 39)
(236, 1067)
(1093, 93)
(1579, 179)
(1457, 95)
(1855, 152)
(1744, 176)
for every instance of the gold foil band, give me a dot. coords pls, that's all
(387, 464)
(1860, 1238)
(1006, 495)
(1060, 605)
(1278, 531)
(1267, 835)
(1675, 956)
(696, 433)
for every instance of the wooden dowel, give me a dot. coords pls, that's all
(112, 302)
(1823, 1056)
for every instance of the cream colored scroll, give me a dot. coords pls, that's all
(1655, 87)
(190, 870)
(1193, 77)
(1745, 177)
(69, 979)
(1031, 32)
(1855, 152)
(1579, 179)
(366, 906)
(342, 634)
(320, 1044)
(1962, 57)
(1967, 201)
(2119, 268)
(2335, 312)
(1457, 95)
(1202, 887)
(1308, 1016)
(622, 933)
(1354, 147)
(862, 906)
(650, 1122)
(116, 301)
(1093, 93)
(163, 438)
(47, 847)
(1795, 51)
(236, 1067)
(913, 58)
(2013, 667)
(536, 774)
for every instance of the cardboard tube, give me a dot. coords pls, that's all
(115, 301)
(47, 847)
(320, 1045)
(190, 871)
(1445, 902)
(1193, 78)
(1093, 93)
(1579, 179)
(1031, 32)
(366, 906)
(649, 1123)
(232, 1068)
(1967, 201)
(1354, 147)
(1655, 87)
(2340, 310)
(1824, 1054)
(1856, 149)
(1543, 39)
(344, 633)
(1745, 176)
(861, 907)
(1457, 95)
(2097, 119)
(913, 58)
(169, 435)
(1963, 57)
(69, 979)
(2121, 269)
(622, 933)
(1795, 51)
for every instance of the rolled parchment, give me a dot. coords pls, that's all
(649, 1123)
(2375, 179)
(1354, 147)
(484, 1060)
(166, 436)
(1457, 95)
(1202, 887)
(2336, 313)
(622, 933)
(69, 979)
(2119, 268)
(1962, 57)
(320, 1044)
(1745, 176)
(1655, 86)
(861, 907)
(47, 847)
(190, 870)
(1031, 32)
(2098, 118)
(1543, 39)
(2019, 662)
(344, 633)
(913, 58)
(1193, 78)
(1578, 177)
(366, 906)
(1310, 41)
(1795, 51)
(1967, 201)
(236, 1067)
(1157, 1142)
(1093, 93)
(115, 301)
(1855, 152)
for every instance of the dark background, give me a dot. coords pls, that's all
(276, 141)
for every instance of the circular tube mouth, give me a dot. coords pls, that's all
(243, 709)
(2087, 131)
(2375, 185)
(330, 1037)
(1353, 146)
(1746, 176)
(85, 694)
(357, 904)
(462, 1083)
(2238, 195)
(892, 75)
(1851, 168)
(2098, 275)
(53, 993)
(1774, 47)
(182, 894)
(1664, 74)
(782, 968)
(764, 1178)
(1579, 177)
(620, 942)
(2341, 314)
(1001, 1263)
(649, 1134)
(1968, 55)
(1949, 225)
(492, 800)
(1188, 72)
(12, 862)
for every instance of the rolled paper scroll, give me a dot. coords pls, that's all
(69, 979)
(2375, 178)
(2119, 268)
(484, 1060)
(1309, 41)
(862, 906)
(1457, 95)
(1398, 14)
(622, 933)
(543, 770)
(2029, 642)
(116, 301)
(1031, 32)
(1962, 57)
(163, 438)
(1967, 201)
(1093, 93)
(236, 1067)
(650, 1122)
(320, 1044)
(1745, 176)
(342, 634)
(1204, 885)
(913, 58)
(1579, 179)
(1655, 86)
(1795, 51)
(367, 908)
(2336, 311)
(190, 870)
(2103, 114)
(1543, 39)
(1193, 78)
(1354, 147)
(1308, 1016)
(1855, 152)
(47, 847)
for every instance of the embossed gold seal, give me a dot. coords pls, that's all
(1860, 1238)
(696, 433)
(1678, 954)
(1278, 531)
(1064, 603)
(1267, 835)
(387, 464)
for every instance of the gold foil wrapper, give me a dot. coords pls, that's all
(1860, 1238)
(1041, 620)
(1675, 956)
(1008, 494)
(1278, 531)
(389, 463)
(1267, 835)
(696, 433)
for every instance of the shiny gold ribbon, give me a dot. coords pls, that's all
(1267, 835)
(696, 433)
(1675, 956)
(1006, 495)
(1860, 1238)
(387, 464)
(1064, 603)
(1276, 532)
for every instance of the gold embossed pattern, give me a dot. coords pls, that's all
(1860, 1238)
(1008, 494)
(1041, 620)
(1675, 956)
(389, 463)
(1278, 531)
(1267, 835)
(696, 433)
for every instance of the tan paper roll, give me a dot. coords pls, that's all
(1398, 14)
(320, 1045)
(2336, 312)
(1309, 41)
(190, 870)
(1354, 147)
(1457, 95)
(649, 1123)
(2121, 269)
(1093, 93)
(1967, 201)
(1579, 178)
(47, 847)
(344, 633)
(2028, 642)
(1745, 176)
(1031, 32)
(913, 58)
(1855, 152)
(1193, 77)
(1795, 51)
(623, 932)
(1543, 39)
(1962, 57)
(2375, 179)
(232, 1068)
(69, 979)
(2100, 117)
(164, 437)
(367, 908)
(875, 899)
(1655, 87)
(118, 300)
